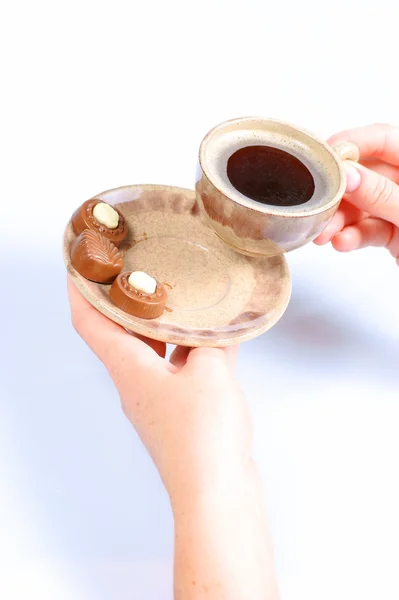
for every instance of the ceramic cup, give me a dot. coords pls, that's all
(251, 227)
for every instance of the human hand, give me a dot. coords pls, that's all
(195, 423)
(369, 213)
(190, 412)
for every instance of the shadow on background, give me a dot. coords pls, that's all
(311, 336)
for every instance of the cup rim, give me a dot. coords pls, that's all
(269, 209)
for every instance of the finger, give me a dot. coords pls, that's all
(178, 358)
(110, 342)
(373, 193)
(156, 345)
(393, 245)
(347, 214)
(382, 168)
(374, 141)
(213, 358)
(180, 355)
(231, 353)
(370, 232)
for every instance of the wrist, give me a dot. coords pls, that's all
(215, 486)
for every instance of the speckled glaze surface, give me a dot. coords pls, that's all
(217, 297)
(254, 228)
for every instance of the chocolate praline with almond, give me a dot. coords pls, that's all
(83, 218)
(135, 302)
(95, 257)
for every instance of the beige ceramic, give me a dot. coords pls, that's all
(216, 297)
(254, 228)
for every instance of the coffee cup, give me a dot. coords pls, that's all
(267, 187)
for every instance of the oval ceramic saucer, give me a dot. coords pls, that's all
(216, 297)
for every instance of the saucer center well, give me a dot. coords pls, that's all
(197, 276)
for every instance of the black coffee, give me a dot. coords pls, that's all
(270, 176)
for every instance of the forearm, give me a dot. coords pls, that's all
(222, 545)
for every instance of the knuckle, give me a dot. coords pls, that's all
(381, 193)
(385, 126)
(388, 137)
(379, 152)
(386, 130)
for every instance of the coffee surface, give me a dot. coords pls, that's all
(270, 176)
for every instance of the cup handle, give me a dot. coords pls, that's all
(347, 151)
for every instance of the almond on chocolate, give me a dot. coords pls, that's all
(136, 301)
(101, 217)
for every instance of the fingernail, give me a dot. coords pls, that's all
(353, 178)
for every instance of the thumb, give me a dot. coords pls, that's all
(372, 192)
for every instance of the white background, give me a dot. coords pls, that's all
(99, 94)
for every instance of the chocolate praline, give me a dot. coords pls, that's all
(95, 257)
(83, 218)
(135, 302)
